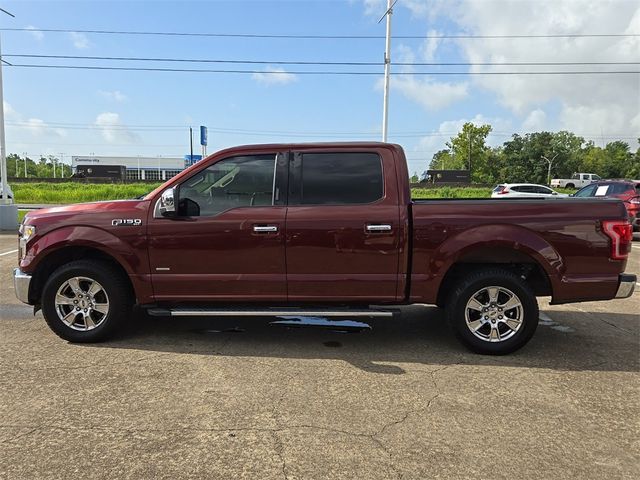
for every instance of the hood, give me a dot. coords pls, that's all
(97, 214)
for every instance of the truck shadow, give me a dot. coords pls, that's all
(418, 337)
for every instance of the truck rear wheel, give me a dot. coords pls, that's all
(493, 311)
(86, 301)
(569, 185)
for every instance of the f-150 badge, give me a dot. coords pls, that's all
(126, 222)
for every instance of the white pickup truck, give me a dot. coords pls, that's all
(577, 180)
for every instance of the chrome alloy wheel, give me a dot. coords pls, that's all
(82, 303)
(494, 314)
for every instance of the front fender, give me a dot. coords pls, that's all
(129, 252)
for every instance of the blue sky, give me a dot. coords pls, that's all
(78, 112)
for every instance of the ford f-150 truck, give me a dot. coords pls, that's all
(318, 229)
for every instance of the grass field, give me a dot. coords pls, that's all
(77, 192)
(59, 193)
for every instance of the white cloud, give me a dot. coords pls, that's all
(9, 112)
(35, 33)
(428, 93)
(40, 128)
(535, 121)
(113, 130)
(115, 95)
(274, 76)
(430, 46)
(423, 90)
(80, 40)
(589, 103)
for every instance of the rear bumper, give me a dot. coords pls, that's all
(626, 286)
(21, 283)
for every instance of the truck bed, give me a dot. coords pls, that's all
(559, 235)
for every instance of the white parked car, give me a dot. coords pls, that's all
(518, 190)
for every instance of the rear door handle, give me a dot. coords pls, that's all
(378, 228)
(265, 228)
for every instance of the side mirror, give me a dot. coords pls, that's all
(167, 206)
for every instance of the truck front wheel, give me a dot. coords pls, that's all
(86, 301)
(493, 311)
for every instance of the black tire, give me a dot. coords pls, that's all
(114, 285)
(569, 185)
(474, 283)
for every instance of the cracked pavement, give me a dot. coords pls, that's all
(239, 398)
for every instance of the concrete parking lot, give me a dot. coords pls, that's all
(245, 399)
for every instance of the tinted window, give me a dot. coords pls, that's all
(541, 189)
(618, 188)
(245, 181)
(340, 178)
(587, 191)
(523, 189)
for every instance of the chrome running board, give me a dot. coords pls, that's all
(267, 312)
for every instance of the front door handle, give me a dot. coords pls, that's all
(265, 228)
(378, 228)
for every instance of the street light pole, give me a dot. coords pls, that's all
(8, 211)
(550, 162)
(3, 145)
(387, 68)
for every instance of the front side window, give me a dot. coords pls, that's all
(338, 178)
(244, 181)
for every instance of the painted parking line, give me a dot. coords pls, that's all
(8, 253)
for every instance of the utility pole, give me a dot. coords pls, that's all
(25, 164)
(550, 162)
(190, 146)
(469, 142)
(387, 68)
(8, 211)
(62, 165)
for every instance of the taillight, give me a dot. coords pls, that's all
(503, 191)
(621, 235)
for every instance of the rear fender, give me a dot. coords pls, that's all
(512, 237)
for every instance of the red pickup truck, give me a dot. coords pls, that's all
(319, 229)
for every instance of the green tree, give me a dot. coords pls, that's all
(468, 150)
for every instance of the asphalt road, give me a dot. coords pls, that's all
(244, 399)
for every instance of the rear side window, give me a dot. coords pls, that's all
(618, 188)
(338, 178)
(498, 188)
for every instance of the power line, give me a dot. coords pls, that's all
(320, 37)
(314, 72)
(231, 131)
(304, 62)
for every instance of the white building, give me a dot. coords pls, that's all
(137, 168)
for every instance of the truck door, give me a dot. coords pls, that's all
(343, 226)
(227, 240)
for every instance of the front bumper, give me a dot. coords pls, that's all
(626, 286)
(21, 282)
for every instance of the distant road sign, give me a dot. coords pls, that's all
(203, 135)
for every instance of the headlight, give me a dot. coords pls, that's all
(25, 232)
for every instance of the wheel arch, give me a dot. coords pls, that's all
(59, 257)
(512, 247)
